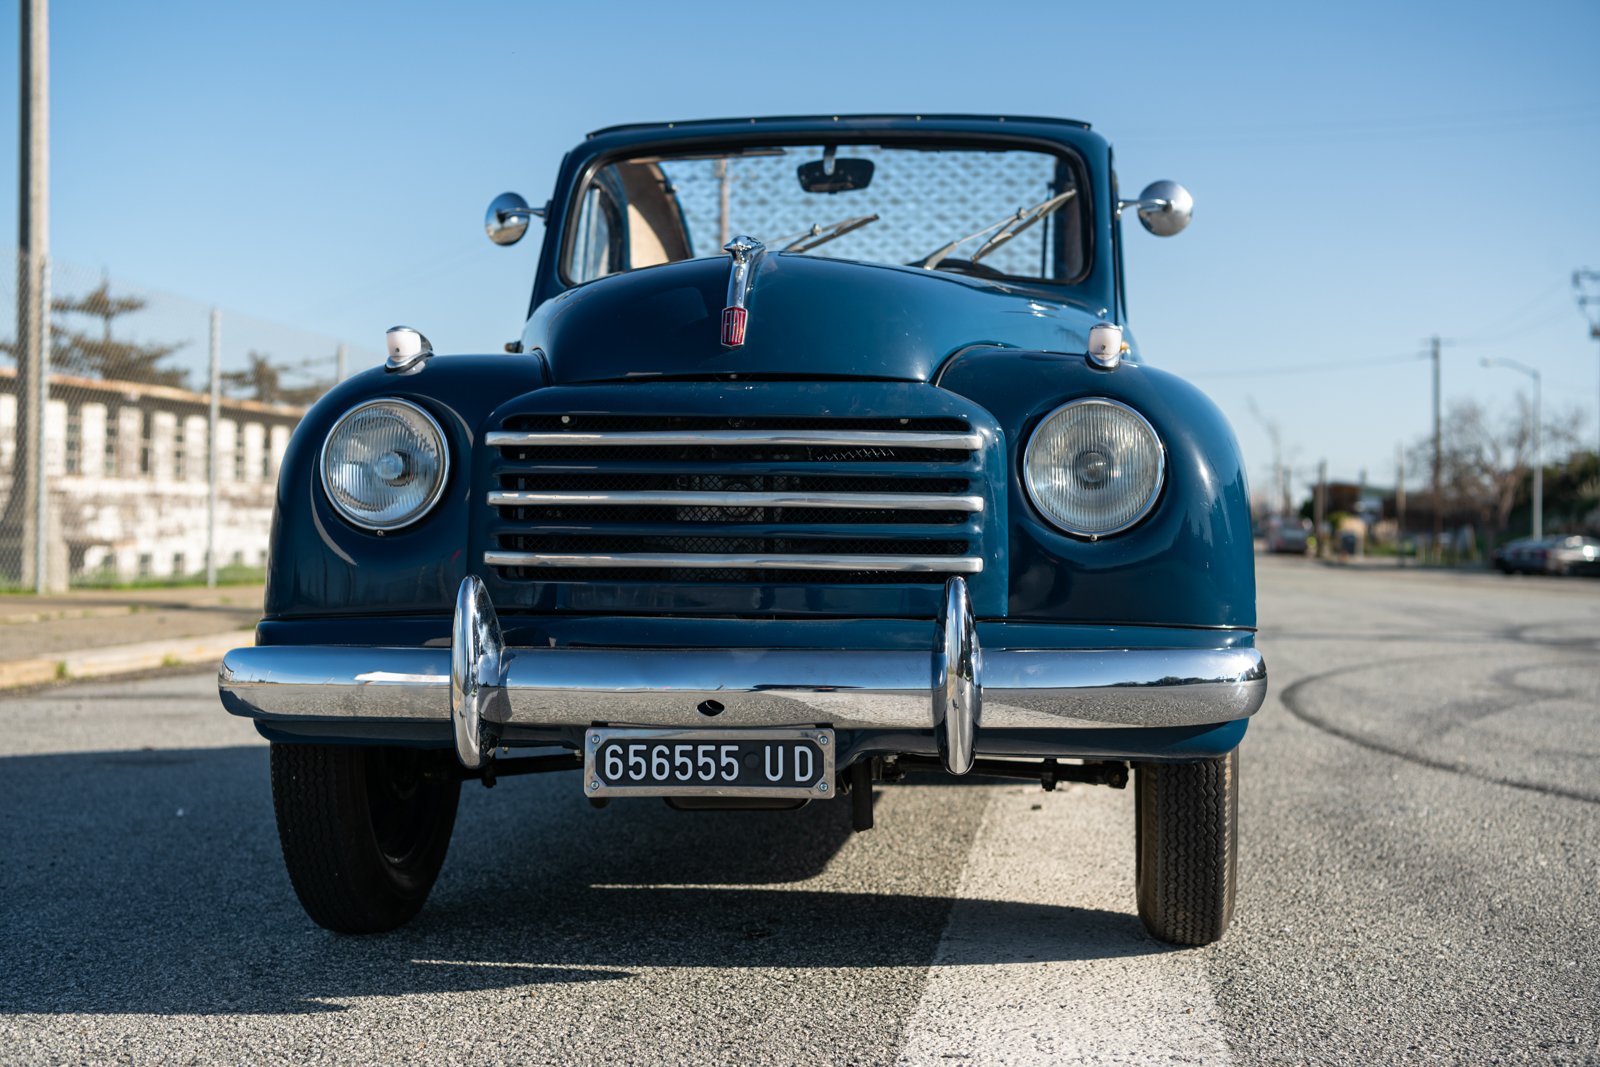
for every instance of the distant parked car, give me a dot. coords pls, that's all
(1525, 555)
(1567, 554)
(1573, 555)
(1500, 556)
(1284, 535)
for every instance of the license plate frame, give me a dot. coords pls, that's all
(751, 742)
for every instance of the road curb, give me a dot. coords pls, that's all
(122, 659)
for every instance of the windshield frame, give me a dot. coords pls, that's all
(1083, 175)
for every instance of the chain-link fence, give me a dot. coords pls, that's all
(145, 447)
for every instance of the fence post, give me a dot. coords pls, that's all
(213, 422)
(41, 499)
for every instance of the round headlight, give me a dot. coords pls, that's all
(384, 464)
(1094, 467)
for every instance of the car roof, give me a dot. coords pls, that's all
(830, 120)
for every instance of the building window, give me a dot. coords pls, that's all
(238, 455)
(180, 457)
(74, 457)
(146, 443)
(113, 424)
(179, 565)
(147, 564)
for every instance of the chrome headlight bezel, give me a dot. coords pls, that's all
(417, 513)
(1036, 495)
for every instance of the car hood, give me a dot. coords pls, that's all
(808, 317)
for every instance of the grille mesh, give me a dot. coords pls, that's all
(704, 546)
(586, 423)
(756, 482)
(730, 454)
(567, 515)
(713, 576)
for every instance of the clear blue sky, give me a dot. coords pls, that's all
(1365, 174)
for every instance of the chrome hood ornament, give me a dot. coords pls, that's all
(746, 253)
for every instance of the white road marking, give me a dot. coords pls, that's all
(1043, 960)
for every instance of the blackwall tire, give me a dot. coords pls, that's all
(364, 830)
(1187, 847)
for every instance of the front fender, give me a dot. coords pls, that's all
(321, 565)
(1191, 562)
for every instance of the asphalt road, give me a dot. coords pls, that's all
(1420, 882)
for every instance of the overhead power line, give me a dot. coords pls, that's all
(1289, 370)
(1507, 326)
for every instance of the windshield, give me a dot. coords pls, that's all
(991, 213)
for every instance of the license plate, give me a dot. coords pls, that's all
(708, 763)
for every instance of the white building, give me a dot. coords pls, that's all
(125, 466)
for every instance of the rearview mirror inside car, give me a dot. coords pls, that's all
(833, 175)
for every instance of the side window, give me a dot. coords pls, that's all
(597, 239)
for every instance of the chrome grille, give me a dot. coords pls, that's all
(702, 499)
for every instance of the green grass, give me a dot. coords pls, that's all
(229, 575)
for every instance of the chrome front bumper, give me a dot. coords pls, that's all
(479, 685)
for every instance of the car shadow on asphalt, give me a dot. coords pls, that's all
(151, 882)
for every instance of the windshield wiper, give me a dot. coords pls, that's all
(1034, 214)
(1009, 227)
(818, 234)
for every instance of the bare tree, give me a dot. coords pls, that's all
(1485, 462)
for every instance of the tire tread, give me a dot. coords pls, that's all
(324, 827)
(1187, 871)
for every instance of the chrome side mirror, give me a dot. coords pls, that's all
(507, 218)
(1164, 208)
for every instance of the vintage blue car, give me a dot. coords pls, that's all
(824, 456)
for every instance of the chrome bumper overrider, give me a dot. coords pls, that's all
(479, 684)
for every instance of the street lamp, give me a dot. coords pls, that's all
(1538, 440)
(1586, 286)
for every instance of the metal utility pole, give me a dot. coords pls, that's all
(213, 475)
(1589, 280)
(1438, 458)
(1320, 507)
(1538, 438)
(20, 526)
(1400, 505)
(1538, 456)
(41, 396)
(1280, 483)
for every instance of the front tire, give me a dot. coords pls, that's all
(1187, 847)
(364, 830)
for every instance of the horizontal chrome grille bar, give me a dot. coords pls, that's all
(859, 501)
(827, 438)
(783, 562)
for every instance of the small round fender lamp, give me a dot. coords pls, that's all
(1105, 345)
